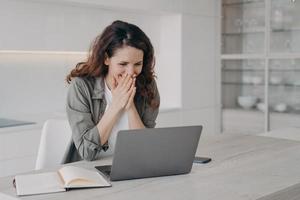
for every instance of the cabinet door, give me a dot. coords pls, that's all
(243, 103)
(18, 150)
(285, 26)
(243, 26)
(284, 74)
(284, 93)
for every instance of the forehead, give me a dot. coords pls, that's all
(128, 53)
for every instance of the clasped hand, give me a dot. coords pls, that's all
(123, 91)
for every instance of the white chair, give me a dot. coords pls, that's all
(55, 138)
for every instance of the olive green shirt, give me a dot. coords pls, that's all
(85, 107)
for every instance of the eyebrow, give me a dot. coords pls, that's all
(128, 62)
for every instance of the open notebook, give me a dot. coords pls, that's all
(67, 177)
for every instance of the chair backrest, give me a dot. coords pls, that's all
(55, 138)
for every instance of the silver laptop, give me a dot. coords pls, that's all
(154, 152)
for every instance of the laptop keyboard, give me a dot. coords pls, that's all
(105, 169)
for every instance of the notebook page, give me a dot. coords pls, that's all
(39, 183)
(80, 177)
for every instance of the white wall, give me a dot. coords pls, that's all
(36, 26)
(169, 61)
(200, 68)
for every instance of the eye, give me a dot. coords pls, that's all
(123, 64)
(138, 64)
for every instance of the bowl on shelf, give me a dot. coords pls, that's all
(247, 102)
(261, 106)
(257, 80)
(296, 107)
(247, 79)
(296, 83)
(275, 80)
(280, 107)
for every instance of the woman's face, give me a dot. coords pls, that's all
(125, 60)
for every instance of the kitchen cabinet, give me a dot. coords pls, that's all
(260, 65)
(18, 149)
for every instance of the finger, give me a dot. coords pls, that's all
(125, 98)
(129, 91)
(129, 84)
(130, 100)
(127, 81)
(122, 79)
(118, 79)
(114, 83)
(124, 83)
(132, 87)
(132, 94)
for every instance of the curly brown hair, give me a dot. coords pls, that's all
(113, 37)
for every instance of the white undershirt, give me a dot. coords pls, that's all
(121, 124)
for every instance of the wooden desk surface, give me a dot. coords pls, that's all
(243, 167)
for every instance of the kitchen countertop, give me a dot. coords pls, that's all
(291, 133)
(39, 119)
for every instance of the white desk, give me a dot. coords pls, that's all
(243, 167)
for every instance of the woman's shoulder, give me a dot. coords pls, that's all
(93, 86)
(83, 82)
(153, 83)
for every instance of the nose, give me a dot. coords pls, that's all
(130, 70)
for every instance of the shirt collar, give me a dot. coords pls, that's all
(98, 92)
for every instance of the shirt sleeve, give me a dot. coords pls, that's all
(150, 114)
(85, 133)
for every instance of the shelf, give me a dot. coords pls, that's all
(260, 84)
(259, 30)
(284, 30)
(241, 56)
(260, 56)
(249, 31)
(238, 109)
(240, 83)
(240, 3)
(242, 70)
(290, 111)
(254, 70)
(284, 56)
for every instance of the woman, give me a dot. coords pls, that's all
(113, 90)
